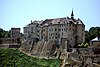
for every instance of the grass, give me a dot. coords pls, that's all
(16, 58)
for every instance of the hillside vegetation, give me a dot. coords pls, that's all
(92, 33)
(16, 58)
(4, 33)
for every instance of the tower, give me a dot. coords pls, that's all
(72, 14)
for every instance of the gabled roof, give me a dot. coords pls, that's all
(55, 21)
(64, 19)
(95, 39)
(46, 21)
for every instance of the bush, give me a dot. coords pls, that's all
(83, 45)
(15, 58)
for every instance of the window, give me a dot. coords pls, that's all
(31, 29)
(55, 29)
(55, 37)
(69, 28)
(82, 29)
(73, 29)
(38, 31)
(59, 29)
(28, 31)
(37, 25)
(56, 33)
(59, 34)
(38, 35)
(73, 33)
(42, 37)
(51, 33)
(62, 29)
(58, 22)
(49, 37)
(62, 33)
(25, 30)
(82, 33)
(49, 29)
(69, 24)
(52, 29)
(43, 29)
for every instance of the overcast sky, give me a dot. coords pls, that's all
(19, 13)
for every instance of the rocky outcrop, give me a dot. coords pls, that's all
(48, 49)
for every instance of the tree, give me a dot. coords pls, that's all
(87, 36)
(92, 33)
(4, 34)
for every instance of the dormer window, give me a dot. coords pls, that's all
(50, 23)
(58, 22)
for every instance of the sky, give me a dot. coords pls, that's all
(19, 13)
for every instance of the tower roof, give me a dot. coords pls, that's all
(72, 14)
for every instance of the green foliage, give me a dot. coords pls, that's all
(83, 45)
(92, 33)
(15, 58)
(87, 36)
(86, 45)
(4, 34)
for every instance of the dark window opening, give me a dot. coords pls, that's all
(51, 33)
(37, 30)
(55, 29)
(59, 29)
(62, 29)
(56, 33)
(69, 28)
(62, 33)
(55, 37)
(59, 22)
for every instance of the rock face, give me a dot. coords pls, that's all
(86, 56)
(50, 49)
(47, 49)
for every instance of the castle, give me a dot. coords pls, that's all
(57, 29)
(57, 39)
